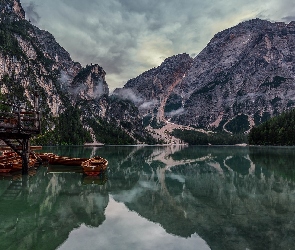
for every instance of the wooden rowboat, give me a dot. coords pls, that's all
(69, 161)
(94, 166)
(61, 160)
(11, 161)
(5, 168)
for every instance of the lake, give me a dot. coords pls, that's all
(166, 197)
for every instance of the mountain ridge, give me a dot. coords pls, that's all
(243, 76)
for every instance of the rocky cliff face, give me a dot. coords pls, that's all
(244, 76)
(89, 83)
(11, 10)
(152, 90)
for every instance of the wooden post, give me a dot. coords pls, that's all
(25, 156)
(37, 113)
(36, 101)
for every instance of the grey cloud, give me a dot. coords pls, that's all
(127, 37)
(175, 112)
(129, 95)
(283, 10)
(288, 19)
(143, 6)
(148, 105)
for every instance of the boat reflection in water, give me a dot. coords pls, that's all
(100, 179)
(156, 197)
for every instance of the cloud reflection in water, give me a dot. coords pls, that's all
(125, 229)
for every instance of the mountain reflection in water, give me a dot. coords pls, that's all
(156, 197)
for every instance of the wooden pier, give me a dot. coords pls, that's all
(17, 125)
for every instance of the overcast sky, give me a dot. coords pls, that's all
(128, 37)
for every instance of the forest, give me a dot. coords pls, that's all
(277, 131)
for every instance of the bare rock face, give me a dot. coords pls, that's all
(89, 83)
(245, 73)
(55, 52)
(150, 91)
(11, 10)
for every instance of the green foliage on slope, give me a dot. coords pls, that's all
(174, 102)
(69, 130)
(8, 42)
(239, 124)
(275, 83)
(278, 130)
(109, 133)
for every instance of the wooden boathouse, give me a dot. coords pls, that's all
(17, 125)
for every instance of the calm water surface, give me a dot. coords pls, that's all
(155, 198)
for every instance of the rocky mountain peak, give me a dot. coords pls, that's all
(11, 10)
(90, 83)
(168, 66)
(53, 50)
(241, 78)
(244, 75)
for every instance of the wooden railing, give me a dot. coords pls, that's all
(17, 125)
(19, 120)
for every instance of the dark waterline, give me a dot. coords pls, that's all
(172, 197)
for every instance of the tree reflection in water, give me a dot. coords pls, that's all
(232, 197)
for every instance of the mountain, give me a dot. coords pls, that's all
(75, 102)
(11, 11)
(244, 76)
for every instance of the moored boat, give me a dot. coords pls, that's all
(94, 166)
(61, 160)
(5, 168)
(11, 161)
(69, 161)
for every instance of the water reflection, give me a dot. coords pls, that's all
(201, 197)
(36, 210)
(119, 225)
